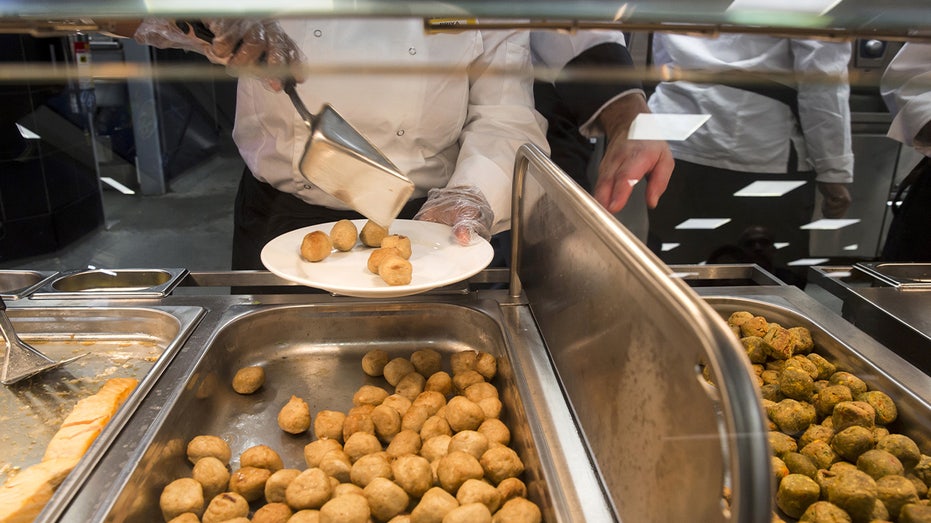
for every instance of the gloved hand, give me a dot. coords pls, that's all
(836, 199)
(230, 42)
(464, 208)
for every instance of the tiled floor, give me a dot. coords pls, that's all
(188, 227)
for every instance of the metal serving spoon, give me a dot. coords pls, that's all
(23, 360)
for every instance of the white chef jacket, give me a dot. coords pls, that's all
(751, 132)
(906, 88)
(440, 129)
(552, 50)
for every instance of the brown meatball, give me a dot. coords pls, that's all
(496, 431)
(781, 443)
(849, 413)
(895, 492)
(793, 417)
(213, 476)
(469, 441)
(830, 396)
(278, 483)
(387, 422)
(410, 386)
(261, 456)
(433, 506)
(372, 234)
(853, 491)
(203, 446)
(455, 468)
(796, 383)
(336, 464)
(901, 447)
(309, 490)
(511, 488)
(358, 421)
(180, 496)
(361, 444)
(878, 463)
(427, 361)
(755, 326)
(328, 424)
(855, 384)
(316, 246)
(395, 270)
(440, 382)
(486, 364)
(824, 512)
(294, 417)
(464, 379)
(374, 361)
(224, 507)
(852, 441)
(367, 468)
(396, 369)
(479, 491)
(386, 499)
(378, 257)
(399, 242)
(815, 432)
(398, 403)
(272, 513)
(248, 379)
(885, 408)
(413, 474)
(825, 367)
(780, 341)
(351, 508)
(404, 442)
(344, 235)
(315, 450)
(821, 453)
(463, 414)
(518, 510)
(500, 462)
(468, 513)
(249, 482)
(798, 463)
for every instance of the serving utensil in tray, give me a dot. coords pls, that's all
(22, 360)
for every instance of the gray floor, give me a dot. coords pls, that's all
(188, 227)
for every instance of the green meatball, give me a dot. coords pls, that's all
(852, 441)
(798, 463)
(781, 444)
(878, 463)
(756, 348)
(821, 453)
(796, 493)
(915, 513)
(923, 469)
(849, 413)
(855, 384)
(802, 362)
(920, 486)
(824, 512)
(780, 470)
(902, 447)
(895, 492)
(796, 383)
(780, 341)
(803, 341)
(830, 396)
(855, 492)
(770, 391)
(814, 433)
(793, 417)
(886, 411)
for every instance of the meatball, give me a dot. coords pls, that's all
(395, 270)
(277, 484)
(309, 490)
(180, 496)
(435, 447)
(830, 396)
(755, 326)
(203, 446)
(479, 491)
(901, 447)
(855, 384)
(803, 341)
(469, 441)
(500, 462)
(387, 422)
(405, 442)
(351, 508)
(224, 507)
(372, 234)
(848, 413)
(780, 342)
(398, 403)
(361, 444)
(882, 404)
(427, 361)
(792, 417)
(852, 441)
(796, 492)
(518, 510)
(825, 367)
(386, 499)
(328, 424)
(798, 463)
(249, 482)
(455, 468)
(213, 476)
(511, 488)
(413, 474)
(261, 456)
(272, 513)
(468, 513)
(248, 379)
(853, 491)
(344, 235)
(315, 450)
(410, 386)
(294, 417)
(496, 431)
(781, 443)
(486, 364)
(432, 400)
(367, 468)
(358, 421)
(463, 414)
(821, 453)
(796, 383)
(824, 512)
(433, 506)
(464, 379)
(878, 463)
(895, 492)
(440, 382)
(316, 246)
(396, 369)
(374, 361)
(399, 242)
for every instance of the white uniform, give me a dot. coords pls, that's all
(906, 88)
(750, 132)
(441, 129)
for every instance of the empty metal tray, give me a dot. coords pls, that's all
(112, 283)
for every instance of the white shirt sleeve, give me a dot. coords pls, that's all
(554, 49)
(501, 117)
(906, 89)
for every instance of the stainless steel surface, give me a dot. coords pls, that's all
(846, 345)
(345, 164)
(17, 284)
(626, 340)
(115, 283)
(902, 276)
(314, 351)
(136, 342)
(724, 275)
(888, 309)
(21, 360)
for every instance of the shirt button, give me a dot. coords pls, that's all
(412, 51)
(318, 33)
(308, 186)
(400, 132)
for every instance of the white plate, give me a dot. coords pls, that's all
(437, 260)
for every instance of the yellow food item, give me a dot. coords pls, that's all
(378, 256)
(395, 270)
(372, 234)
(399, 242)
(316, 246)
(24, 495)
(344, 235)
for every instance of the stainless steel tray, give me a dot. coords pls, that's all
(108, 284)
(17, 284)
(314, 351)
(137, 342)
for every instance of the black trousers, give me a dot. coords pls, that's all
(262, 213)
(909, 238)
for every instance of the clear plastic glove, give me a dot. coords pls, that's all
(230, 42)
(464, 208)
(837, 199)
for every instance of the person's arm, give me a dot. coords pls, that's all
(609, 109)
(906, 89)
(500, 119)
(824, 110)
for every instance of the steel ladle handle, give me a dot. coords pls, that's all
(308, 117)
